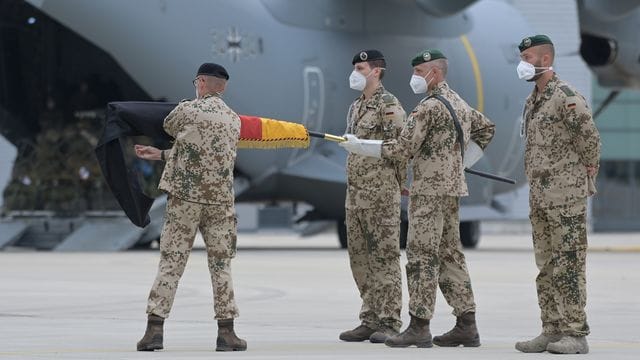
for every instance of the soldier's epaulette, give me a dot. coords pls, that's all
(567, 90)
(183, 100)
(388, 99)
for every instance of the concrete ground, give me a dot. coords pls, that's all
(295, 296)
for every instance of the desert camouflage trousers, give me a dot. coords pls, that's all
(435, 257)
(373, 237)
(560, 245)
(217, 223)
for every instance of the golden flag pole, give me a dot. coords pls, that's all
(326, 136)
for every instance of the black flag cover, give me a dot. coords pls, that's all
(124, 119)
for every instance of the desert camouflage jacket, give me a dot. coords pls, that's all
(430, 140)
(561, 141)
(199, 166)
(373, 182)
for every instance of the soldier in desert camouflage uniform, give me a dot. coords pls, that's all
(198, 177)
(561, 161)
(373, 204)
(434, 251)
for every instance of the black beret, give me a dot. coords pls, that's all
(367, 55)
(426, 56)
(532, 41)
(212, 69)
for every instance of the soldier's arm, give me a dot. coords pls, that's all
(349, 114)
(172, 123)
(482, 129)
(584, 134)
(411, 137)
(152, 153)
(394, 118)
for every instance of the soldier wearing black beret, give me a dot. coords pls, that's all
(198, 180)
(373, 203)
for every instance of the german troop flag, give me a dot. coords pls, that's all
(125, 119)
(263, 133)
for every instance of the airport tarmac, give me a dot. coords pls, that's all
(295, 296)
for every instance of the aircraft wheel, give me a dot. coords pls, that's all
(342, 233)
(470, 234)
(404, 232)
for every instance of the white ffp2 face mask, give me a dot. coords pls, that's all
(418, 84)
(357, 81)
(527, 71)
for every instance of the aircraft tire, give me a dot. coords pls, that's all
(404, 233)
(470, 234)
(342, 233)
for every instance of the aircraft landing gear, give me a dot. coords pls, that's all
(469, 234)
(342, 233)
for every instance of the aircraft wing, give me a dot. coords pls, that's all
(314, 177)
(609, 32)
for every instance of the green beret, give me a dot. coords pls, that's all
(532, 41)
(367, 55)
(426, 56)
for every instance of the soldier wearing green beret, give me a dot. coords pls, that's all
(438, 132)
(373, 203)
(562, 152)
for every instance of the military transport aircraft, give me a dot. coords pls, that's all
(290, 60)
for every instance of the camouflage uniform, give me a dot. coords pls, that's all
(199, 179)
(373, 211)
(561, 140)
(433, 250)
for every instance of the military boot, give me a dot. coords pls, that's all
(382, 334)
(152, 339)
(360, 333)
(465, 333)
(569, 345)
(227, 339)
(537, 344)
(417, 334)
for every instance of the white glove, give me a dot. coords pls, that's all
(354, 145)
(472, 154)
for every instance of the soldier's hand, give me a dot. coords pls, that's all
(354, 145)
(351, 142)
(147, 152)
